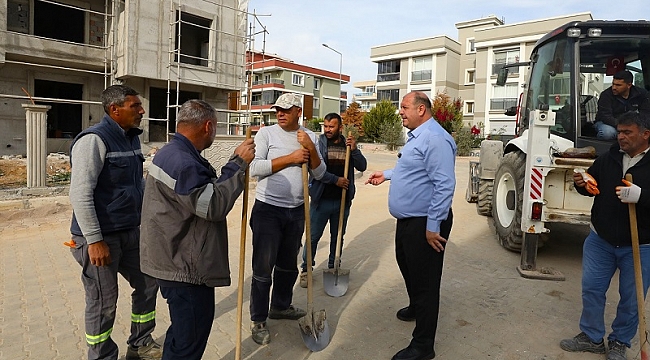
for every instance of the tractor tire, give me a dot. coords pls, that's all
(484, 202)
(507, 200)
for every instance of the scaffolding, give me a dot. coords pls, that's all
(236, 118)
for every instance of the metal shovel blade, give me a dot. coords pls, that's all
(335, 281)
(314, 330)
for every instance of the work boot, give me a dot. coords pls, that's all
(152, 351)
(616, 350)
(406, 314)
(292, 313)
(582, 343)
(260, 333)
(303, 279)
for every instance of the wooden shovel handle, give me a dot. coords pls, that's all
(339, 236)
(242, 259)
(638, 278)
(305, 187)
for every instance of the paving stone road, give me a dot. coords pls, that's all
(487, 310)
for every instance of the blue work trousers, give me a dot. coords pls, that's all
(277, 232)
(191, 309)
(327, 210)
(600, 260)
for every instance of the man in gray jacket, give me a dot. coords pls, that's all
(184, 231)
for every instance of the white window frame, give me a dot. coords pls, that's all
(467, 79)
(471, 46)
(316, 84)
(301, 82)
(466, 107)
(316, 103)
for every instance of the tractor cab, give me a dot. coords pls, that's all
(572, 65)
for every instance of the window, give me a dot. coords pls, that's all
(471, 48)
(392, 95)
(421, 68)
(505, 57)
(316, 84)
(469, 108)
(158, 110)
(470, 76)
(316, 103)
(503, 97)
(58, 22)
(63, 119)
(194, 47)
(388, 70)
(369, 89)
(267, 79)
(298, 79)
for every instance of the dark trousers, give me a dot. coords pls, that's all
(421, 267)
(277, 233)
(101, 287)
(191, 309)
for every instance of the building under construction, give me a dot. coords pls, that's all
(64, 53)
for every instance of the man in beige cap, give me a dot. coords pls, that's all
(278, 215)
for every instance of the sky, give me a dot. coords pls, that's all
(298, 28)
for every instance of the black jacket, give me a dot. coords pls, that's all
(610, 107)
(609, 216)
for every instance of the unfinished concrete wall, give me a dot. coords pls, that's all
(144, 42)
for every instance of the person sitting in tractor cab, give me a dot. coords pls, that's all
(616, 100)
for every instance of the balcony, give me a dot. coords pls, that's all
(269, 83)
(365, 96)
(502, 103)
(388, 77)
(421, 75)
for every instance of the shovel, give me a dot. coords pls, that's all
(335, 281)
(638, 279)
(242, 260)
(313, 326)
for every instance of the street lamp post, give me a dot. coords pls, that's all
(340, 72)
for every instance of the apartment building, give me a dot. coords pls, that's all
(273, 76)
(64, 53)
(429, 65)
(467, 67)
(367, 98)
(488, 44)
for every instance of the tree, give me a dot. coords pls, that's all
(391, 133)
(313, 124)
(383, 113)
(353, 116)
(448, 112)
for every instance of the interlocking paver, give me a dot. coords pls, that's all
(487, 310)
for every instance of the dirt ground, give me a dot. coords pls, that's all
(13, 171)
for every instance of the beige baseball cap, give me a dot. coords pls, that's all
(286, 101)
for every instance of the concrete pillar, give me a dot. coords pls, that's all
(36, 144)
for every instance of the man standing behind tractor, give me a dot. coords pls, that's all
(608, 246)
(326, 193)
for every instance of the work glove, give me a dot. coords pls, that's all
(629, 193)
(592, 185)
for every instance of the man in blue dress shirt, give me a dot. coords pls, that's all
(421, 190)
